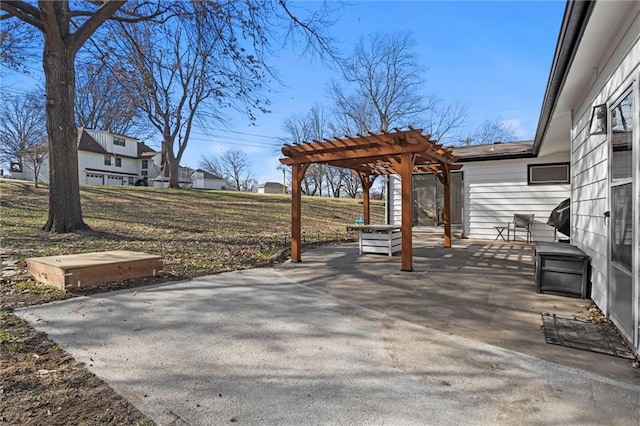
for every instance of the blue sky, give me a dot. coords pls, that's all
(495, 56)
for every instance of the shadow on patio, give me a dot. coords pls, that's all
(480, 290)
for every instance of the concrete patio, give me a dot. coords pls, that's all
(481, 290)
(347, 339)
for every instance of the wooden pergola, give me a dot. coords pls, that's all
(399, 152)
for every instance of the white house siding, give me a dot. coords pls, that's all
(589, 191)
(494, 191)
(91, 164)
(590, 187)
(204, 183)
(394, 209)
(105, 139)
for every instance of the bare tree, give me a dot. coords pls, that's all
(443, 119)
(32, 159)
(66, 26)
(308, 127)
(209, 163)
(491, 131)
(207, 59)
(335, 180)
(16, 44)
(351, 185)
(386, 83)
(23, 132)
(64, 31)
(103, 103)
(386, 90)
(175, 74)
(234, 167)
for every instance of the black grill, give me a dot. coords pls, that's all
(560, 217)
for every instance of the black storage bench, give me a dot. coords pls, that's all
(562, 268)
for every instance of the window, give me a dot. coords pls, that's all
(131, 181)
(622, 139)
(145, 164)
(143, 173)
(548, 173)
(118, 162)
(118, 141)
(107, 160)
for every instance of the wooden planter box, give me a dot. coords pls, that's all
(88, 269)
(562, 268)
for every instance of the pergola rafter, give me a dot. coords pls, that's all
(368, 156)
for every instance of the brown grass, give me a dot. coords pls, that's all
(197, 232)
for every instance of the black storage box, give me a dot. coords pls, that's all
(562, 268)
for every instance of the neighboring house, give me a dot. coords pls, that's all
(592, 109)
(191, 179)
(106, 158)
(202, 179)
(496, 181)
(272, 188)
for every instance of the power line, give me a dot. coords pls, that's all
(218, 129)
(204, 136)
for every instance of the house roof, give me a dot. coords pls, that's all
(589, 34)
(207, 175)
(262, 185)
(145, 150)
(575, 19)
(87, 143)
(494, 151)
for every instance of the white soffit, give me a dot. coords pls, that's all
(600, 39)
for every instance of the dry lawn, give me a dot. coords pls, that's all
(197, 233)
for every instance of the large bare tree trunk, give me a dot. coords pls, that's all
(65, 213)
(174, 171)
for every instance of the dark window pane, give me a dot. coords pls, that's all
(621, 138)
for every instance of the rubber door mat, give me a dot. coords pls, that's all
(582, 334)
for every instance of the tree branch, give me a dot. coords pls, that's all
(23, 11)
(91, 25)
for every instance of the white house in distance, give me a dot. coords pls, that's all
(272, 188)
(105, 158)
(201, 179)
(592, 109)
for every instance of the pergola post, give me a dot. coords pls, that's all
(406, 169)
(365, 179)
(297, 174)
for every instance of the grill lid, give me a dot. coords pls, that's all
(560, 217)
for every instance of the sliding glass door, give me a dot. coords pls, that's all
(621, 228)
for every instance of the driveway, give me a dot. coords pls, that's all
(297, 344)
